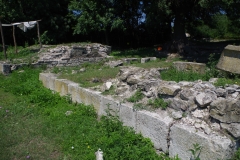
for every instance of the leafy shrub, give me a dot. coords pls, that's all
(158, 103)
(136, 97)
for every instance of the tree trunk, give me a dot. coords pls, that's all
(106, 37)
(179, 37)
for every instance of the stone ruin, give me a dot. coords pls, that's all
(209, 109)
(73, 55)
(63, 55)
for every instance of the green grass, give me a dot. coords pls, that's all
(158, 103)
(24, 54)
(224, 81)
(137, 96)
(85, 78)
(33, 123)
(173, 74)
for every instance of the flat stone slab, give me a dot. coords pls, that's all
(190, 66)
(214, 146)
(230, 59)
(156, 127)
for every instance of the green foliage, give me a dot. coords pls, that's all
(110, 91)
(136, 97)
(95, 16)
(36, 118)
(158, 103)
(22, 53)
(236, 155)
(93, 70)
(172, 74)
(225, 81)
(45, 39)
(221, 24)
(211, 64)
(196, 151)
(138, 106)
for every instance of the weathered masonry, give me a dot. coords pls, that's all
(167, 134)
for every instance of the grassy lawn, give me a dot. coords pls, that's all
(35, 125)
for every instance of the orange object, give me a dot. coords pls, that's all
(159, 48)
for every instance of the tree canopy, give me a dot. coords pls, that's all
(124, 23)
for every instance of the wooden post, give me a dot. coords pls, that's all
(14, 39)
(3, 43)
(39, 38)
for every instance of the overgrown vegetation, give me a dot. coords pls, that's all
(92, 74)
(23, 55)
(137, 96)
(35, 125)
(158, 103)
(172, 74)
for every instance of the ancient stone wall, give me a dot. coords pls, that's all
(199, 113)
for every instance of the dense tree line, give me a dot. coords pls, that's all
(122, 23)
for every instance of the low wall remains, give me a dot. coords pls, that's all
(167, 134)
(230, 59)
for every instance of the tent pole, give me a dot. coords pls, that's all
(14, 39)
(39, 38)
(3, 43)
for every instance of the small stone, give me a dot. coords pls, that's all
(95, 80)
(108, 85)
(201, 113)
(215, 126)
(234, 95)
(177, 115)
(82, 70)
(204, 99)
(221, 92)
(68, 113)
(230, 90)
(213, 80)
(206, 129)
(171, 90)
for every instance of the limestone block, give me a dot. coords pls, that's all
(51, 81)
(73, 91)
(156, 127)
(43, 78)
(187, 94)
(89, 97)
(190, 66)
(48, 80)
(144, 60)
(108, 104)
(171, 90)
(204, 99)
(233, 128)
(153, 58)
(5, 68)
(178, 104)
(230, 58)
(214, 146)
(225, 110)
(61, 86)
(127, 115)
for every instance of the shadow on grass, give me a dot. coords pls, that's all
(134, 53)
